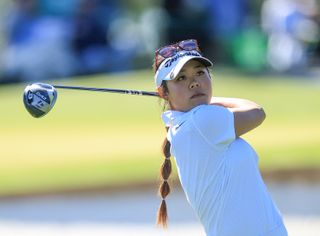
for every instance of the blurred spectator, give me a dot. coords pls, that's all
(58, 8)
(228, 17)
(42, 39)
(134, 36)
(291, 31)
(50, 39)
(89, 39)
(216, 24)
(187, 19)
(37, 46)
(227, 20)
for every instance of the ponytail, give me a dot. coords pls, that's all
(164, 189)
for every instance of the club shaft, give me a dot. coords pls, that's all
(108, 90)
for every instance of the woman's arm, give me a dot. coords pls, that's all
(247, 114)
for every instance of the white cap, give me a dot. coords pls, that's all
(170, 67)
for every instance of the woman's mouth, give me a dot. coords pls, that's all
(197, 95)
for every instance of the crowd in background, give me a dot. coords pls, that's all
(41, 39)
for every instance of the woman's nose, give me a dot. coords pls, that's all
(194, 84)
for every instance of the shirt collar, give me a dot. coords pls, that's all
(172, 118)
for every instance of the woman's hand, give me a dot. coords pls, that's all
(247, 114)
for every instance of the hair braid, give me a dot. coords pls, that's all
(164, 188)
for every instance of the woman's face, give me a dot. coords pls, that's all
(191, 87)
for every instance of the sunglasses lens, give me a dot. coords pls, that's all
(188, 45)
(171, 50)
(168, 51)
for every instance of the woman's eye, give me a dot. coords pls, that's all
(180, 78)
(201, 72)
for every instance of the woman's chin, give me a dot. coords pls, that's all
(201, 101)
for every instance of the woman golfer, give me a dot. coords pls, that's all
(218, 170)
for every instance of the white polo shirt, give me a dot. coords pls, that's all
(219, 174)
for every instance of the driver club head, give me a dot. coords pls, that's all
(39, 98)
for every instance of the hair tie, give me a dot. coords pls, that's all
(167, 158)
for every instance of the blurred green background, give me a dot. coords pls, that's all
(92, 139)
(96, 140)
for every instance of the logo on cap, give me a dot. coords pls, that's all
(176, 57)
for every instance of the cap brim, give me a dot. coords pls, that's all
(206, 62)
(170, 68)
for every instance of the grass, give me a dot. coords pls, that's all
(92, 139)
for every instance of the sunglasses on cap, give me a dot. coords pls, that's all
(170, 50)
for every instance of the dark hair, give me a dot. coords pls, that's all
(154, 67)
(164, 189)
(165, 170)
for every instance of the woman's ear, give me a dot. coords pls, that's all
(162, 93)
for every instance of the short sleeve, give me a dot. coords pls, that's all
(215, 124)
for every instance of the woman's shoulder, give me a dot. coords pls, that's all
(210, 110)
(213, 119)
(172, 117)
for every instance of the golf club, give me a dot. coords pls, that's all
(39, 98)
